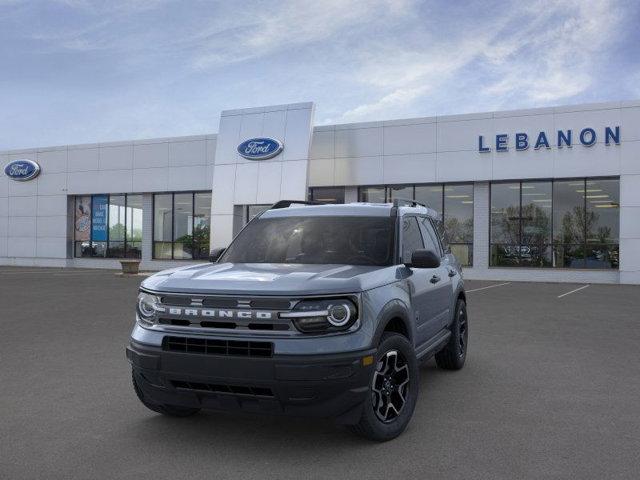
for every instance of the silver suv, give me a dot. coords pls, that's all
(313, 310)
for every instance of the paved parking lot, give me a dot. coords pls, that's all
(551, 390)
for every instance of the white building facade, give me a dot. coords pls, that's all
(549, 194)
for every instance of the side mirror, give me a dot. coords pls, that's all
(215, 254)
(424, 259)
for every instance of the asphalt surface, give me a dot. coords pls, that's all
(551, 389)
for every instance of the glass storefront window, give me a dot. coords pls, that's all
(182, 224)
(563, 224)
(201, 224)
(430, 195)
(458, 221)
(162, 225)
(82, 226)
(372, 194)
(403, 192)
(108, 226)
(134, 226)
(327, 194)
(505, 224)
(253, 210)
(453, 202)
(117, 219)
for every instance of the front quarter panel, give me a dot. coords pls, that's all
(382, 304)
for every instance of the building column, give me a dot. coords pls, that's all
(481, 216)
(147, 227)
(629, 229)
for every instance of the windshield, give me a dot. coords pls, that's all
(322, 239)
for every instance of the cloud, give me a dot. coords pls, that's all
(289, 23)
(552, 60)
(541, 53)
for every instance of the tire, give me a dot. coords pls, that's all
(372, 425)
(454, 354)
(169, 410)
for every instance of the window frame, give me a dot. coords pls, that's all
(173, 210)
(401, 230)
(125, 239)
(553, 245)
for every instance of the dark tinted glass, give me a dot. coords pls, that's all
(505, 213)
(411, 238)
(404, 192)
(372, 194)
(253, 210)
(162, 217)
(603, 211)
(458, 213)
(328, 194)
(568, 212)
(430, 195)
(536, 224)
(134, 226)
(183, 225)
(429, 236)
(315, 240)
(201, 224)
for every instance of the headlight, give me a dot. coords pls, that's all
(323, 315)
(148, 305)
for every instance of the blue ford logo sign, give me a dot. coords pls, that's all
(22, 170)
(260, 148)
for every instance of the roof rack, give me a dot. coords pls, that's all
(403, 202)
(288, 203)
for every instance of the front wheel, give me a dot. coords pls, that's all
(453, 355)
(393, 390)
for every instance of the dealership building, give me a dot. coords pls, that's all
(547, 194)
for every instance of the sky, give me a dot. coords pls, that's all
(80, 71)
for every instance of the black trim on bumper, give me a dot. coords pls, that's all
(328, 386)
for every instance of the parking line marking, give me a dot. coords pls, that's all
(573, 291)
(489, 286)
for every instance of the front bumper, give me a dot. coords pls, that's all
(327, 386)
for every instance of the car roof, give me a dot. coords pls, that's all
(356, 209)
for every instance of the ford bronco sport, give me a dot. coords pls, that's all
(320, 310)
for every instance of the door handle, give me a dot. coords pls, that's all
(435, 279)
(452, 272)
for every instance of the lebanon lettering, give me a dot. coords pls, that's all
(562, 139)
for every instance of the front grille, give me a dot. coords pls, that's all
(268, 303)
(218, 388)
(278, 325)
(208, 346)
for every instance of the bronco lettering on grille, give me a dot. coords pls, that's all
(219, 313)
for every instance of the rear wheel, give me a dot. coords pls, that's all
(453, 355)
(393, 390)
(170, 410)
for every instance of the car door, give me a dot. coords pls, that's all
(422, 290)
(443, 286)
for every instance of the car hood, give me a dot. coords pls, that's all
(270, 279)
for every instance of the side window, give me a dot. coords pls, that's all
(430, 239)
(411, 238)
(442, 235)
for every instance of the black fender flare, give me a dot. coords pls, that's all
(394, 309)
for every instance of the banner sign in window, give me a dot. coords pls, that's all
(99, 218)
(83, 219)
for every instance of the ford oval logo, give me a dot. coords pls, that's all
(260, 148)
(22, 170)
